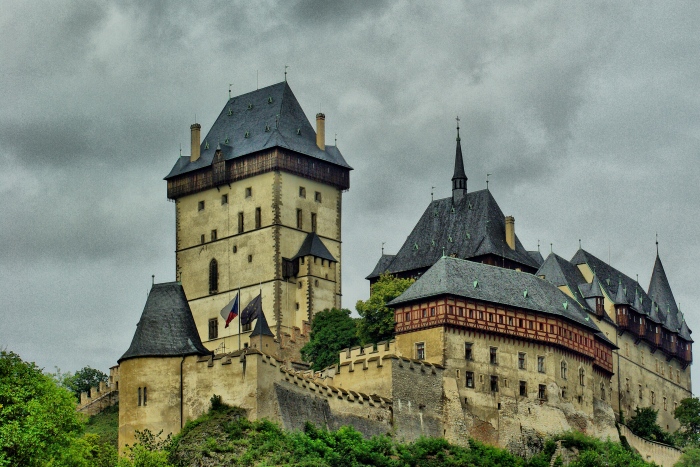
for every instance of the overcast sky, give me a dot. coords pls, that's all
(585, 114)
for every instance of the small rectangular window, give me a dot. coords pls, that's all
(432, 311)
(468, 351)
(494, 383)
(248, 192)
(200, 206)
(213, 235)
(542, 392)
(145, 395)
(420, 351)
(240, 222)
(300, 219)
(540, 364)
(213, 328)
(460, 311)
(407, 316)
(202, 239)
(250, 258)
(302, 192)
(139, 397)
(653, 398)
(470, 379)
(521, 361)
(313, 222)
(224, 199)
(258, 218)
(510, 321)
(317, 197)
(247, 327)
(523, 388)
(492, 356)
(640, 392)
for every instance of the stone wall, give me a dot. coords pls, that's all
(99, 398)
(651, 451)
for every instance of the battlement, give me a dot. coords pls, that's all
(371, 350)
(98, 399)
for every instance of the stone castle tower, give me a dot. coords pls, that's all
(258, 209)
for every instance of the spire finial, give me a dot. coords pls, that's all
(335, 140)
(383, 248)
(487, 181)
(285, 73)
(432, 193)
(579, 243)
(457, 127)
(229, 90)
(657, 243)
(551, 248)
(153, 279)
(538, 245)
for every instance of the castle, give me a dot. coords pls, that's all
(492, 340)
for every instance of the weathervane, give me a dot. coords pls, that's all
(538, 245)
(551, 248)
(432, 191)
(657, 243)
(383, 243)
(457, 127)
(285, 73)
(487, 181)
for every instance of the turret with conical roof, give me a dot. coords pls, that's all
(459, 179)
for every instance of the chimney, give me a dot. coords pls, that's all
(194, 151)
(321, 131)
(510, 232)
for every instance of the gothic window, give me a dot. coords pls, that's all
(213, 276)
(213, 328)
(258, 218)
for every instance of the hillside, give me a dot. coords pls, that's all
(224, 436)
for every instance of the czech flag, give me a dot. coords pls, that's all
(230, 311)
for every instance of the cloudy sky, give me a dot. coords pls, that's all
(585, 114)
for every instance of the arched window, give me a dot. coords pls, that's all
(213, 276)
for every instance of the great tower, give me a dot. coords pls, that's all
(258, 208)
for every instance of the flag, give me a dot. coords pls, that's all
(230, 311)
(252, 310)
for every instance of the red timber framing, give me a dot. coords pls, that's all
(255, 164)
(655, 335)
(502, 320)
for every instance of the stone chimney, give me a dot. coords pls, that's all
(194, 149)
(510, 232)
(321, 131)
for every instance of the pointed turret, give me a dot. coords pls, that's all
(621, 296)
(638, 301)
(660, 290)
(459, 179)
(262, 338)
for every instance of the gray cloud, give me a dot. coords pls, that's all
(586, 116)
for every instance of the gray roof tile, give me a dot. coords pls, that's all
(261, 326)
(313, 245)
(256, 124)
(452, 276)
(472, 227)
(166, 327)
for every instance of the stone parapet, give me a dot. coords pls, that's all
(651, 451)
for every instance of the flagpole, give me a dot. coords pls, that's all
(240, 315)
(261, 312)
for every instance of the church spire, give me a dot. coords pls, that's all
(459, 179)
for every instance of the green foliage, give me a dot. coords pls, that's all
(216, 403)
(377, 320)
(38, 421)
(150, 450)
(689, 458)
(688, 415)
(331, 331)
(643, 423)
(83, 380)
(105, 425)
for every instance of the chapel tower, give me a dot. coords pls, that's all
(258, 208)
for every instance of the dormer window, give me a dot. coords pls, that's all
(599, 306)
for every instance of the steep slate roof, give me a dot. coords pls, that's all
(313, 245)
(473, 226)
(459, 173)
(536, 257)
(560, 272)
(660, 292)
(261, 326)
(381, 266)
(452, 276)
(274, 107)
(166, 327)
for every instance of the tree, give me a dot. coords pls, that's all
(377, 320)
(690, 458)
(83, 380)
(688, 415)
(331, 331)
(643, 424)
(38, 421)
